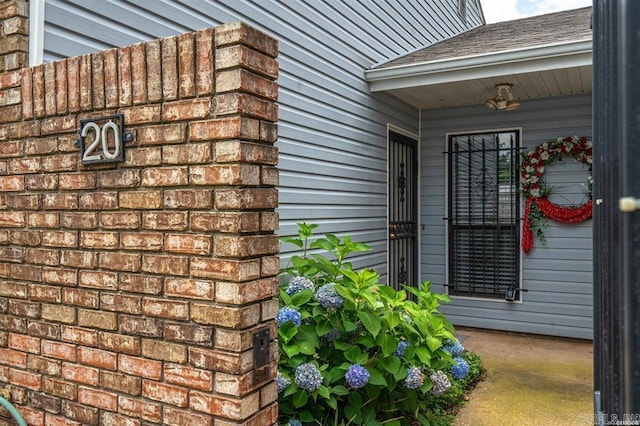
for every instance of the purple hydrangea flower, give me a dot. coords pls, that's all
(401, 348)
(414, 378)
(297, 284)
(460, 368)
(308, 377)
(357, 376)
(288, 314)
(454, 347)
(283, 382)
(328, 297)
(295, 422)
(441, 383)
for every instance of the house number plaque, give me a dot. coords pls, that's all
(102, 139)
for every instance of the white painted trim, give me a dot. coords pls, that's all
(446, 212)
(519, 61)
(36, 32)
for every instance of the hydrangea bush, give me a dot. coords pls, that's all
(354, 351)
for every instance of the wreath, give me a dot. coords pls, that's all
(532, 185)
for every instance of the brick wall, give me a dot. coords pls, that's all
(130, 292)
(14, 31)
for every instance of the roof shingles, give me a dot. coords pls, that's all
(554, 28)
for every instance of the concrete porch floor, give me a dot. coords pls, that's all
(531, 380)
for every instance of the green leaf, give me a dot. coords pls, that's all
(343, 346)
(301, 297)
(355, 399)
(323, 391)
(352, 354)
(336, 374)
(300, 398)
(333, 403)
(306, 348)
(366, 341)
(434, 343)
(295, 241)
(340, 390)
(376, 378)
(290, 390)
(349, 326)
(424, 355)
(323, 244)
(392, 364)
(387, 343)
(290, 350)
(307, 333)
(353, 414)
(323, 327)
(370, 322)
(286, 331)
(325, 265)
(306, 417)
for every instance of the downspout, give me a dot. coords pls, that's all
(12, 410)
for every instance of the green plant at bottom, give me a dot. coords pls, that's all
(354, 351)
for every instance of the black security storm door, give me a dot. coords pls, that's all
(403, 210)
(483, 206)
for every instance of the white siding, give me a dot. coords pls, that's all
(558, 275)
(332, 130)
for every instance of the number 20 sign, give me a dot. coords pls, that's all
(102, 139)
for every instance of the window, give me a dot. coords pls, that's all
(483, 209)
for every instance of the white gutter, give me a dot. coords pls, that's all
(539, 58)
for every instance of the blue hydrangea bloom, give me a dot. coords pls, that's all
(283, 382)
(460, 368)
(288, 314)
(328, 297)
(295, 422)
(401, 348)
(357, 376)
(455, 348)
(297, 284)
(307, 376)
(414, 378)
(441, 383)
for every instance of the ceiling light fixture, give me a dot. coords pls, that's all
(504, 99)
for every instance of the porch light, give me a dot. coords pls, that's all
(504, 99)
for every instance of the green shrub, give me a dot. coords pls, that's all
(353, 351)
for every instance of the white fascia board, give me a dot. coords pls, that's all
(540, 58)
(36, 32)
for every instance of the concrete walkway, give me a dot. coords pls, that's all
(531, 380)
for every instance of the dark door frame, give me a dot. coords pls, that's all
(400, 229)
(616, 171)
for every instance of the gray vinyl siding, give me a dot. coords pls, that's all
(558, 275)
(332, 130)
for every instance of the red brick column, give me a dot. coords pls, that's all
(130, 292)
(14, 35)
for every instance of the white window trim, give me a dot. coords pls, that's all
(36, 32)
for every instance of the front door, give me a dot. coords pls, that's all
(403, 210)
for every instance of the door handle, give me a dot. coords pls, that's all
(628, 204)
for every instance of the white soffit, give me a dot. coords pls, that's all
(529, 60)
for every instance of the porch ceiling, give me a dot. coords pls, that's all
(529, 85)
(547, 55)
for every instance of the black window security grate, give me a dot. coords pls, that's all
(483, 213)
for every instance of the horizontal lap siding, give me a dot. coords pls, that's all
(332, 130)
(558, 275)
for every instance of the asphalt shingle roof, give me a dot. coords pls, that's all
(553, 28)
